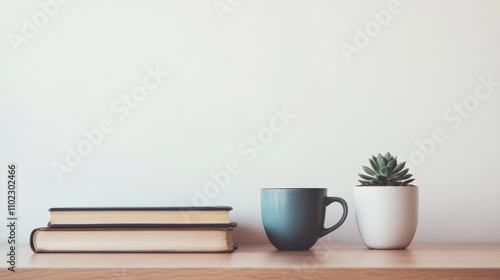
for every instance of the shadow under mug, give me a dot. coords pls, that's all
(294, 218)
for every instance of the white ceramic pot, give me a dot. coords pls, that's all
(387, 216)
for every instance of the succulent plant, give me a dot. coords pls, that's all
(385, 171)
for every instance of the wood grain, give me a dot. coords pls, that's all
(323, 261)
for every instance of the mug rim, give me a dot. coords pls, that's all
(287, 188)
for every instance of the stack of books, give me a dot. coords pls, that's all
(134, 229)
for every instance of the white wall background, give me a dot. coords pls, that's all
(226, 78)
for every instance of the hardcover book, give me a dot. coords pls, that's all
(132, 240)
(213, 216)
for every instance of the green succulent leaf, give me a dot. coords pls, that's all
(375, 182)
(364, 182)
(399, 167)
(374, 165)
(388, 156)
(408, 181)
(400, 174)
(383, 171)
(366, 177)
(369, 171)
(382, 162)
(407, 176)
(392, 164)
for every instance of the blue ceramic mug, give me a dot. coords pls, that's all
(294, 218)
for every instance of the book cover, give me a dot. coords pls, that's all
(69, 217)
(132, 240)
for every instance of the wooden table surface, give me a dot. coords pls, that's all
(323, 261)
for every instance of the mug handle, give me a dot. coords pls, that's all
(327, 201)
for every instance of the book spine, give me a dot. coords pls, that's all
(51, 225)
(32, 240)
(125, 251)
